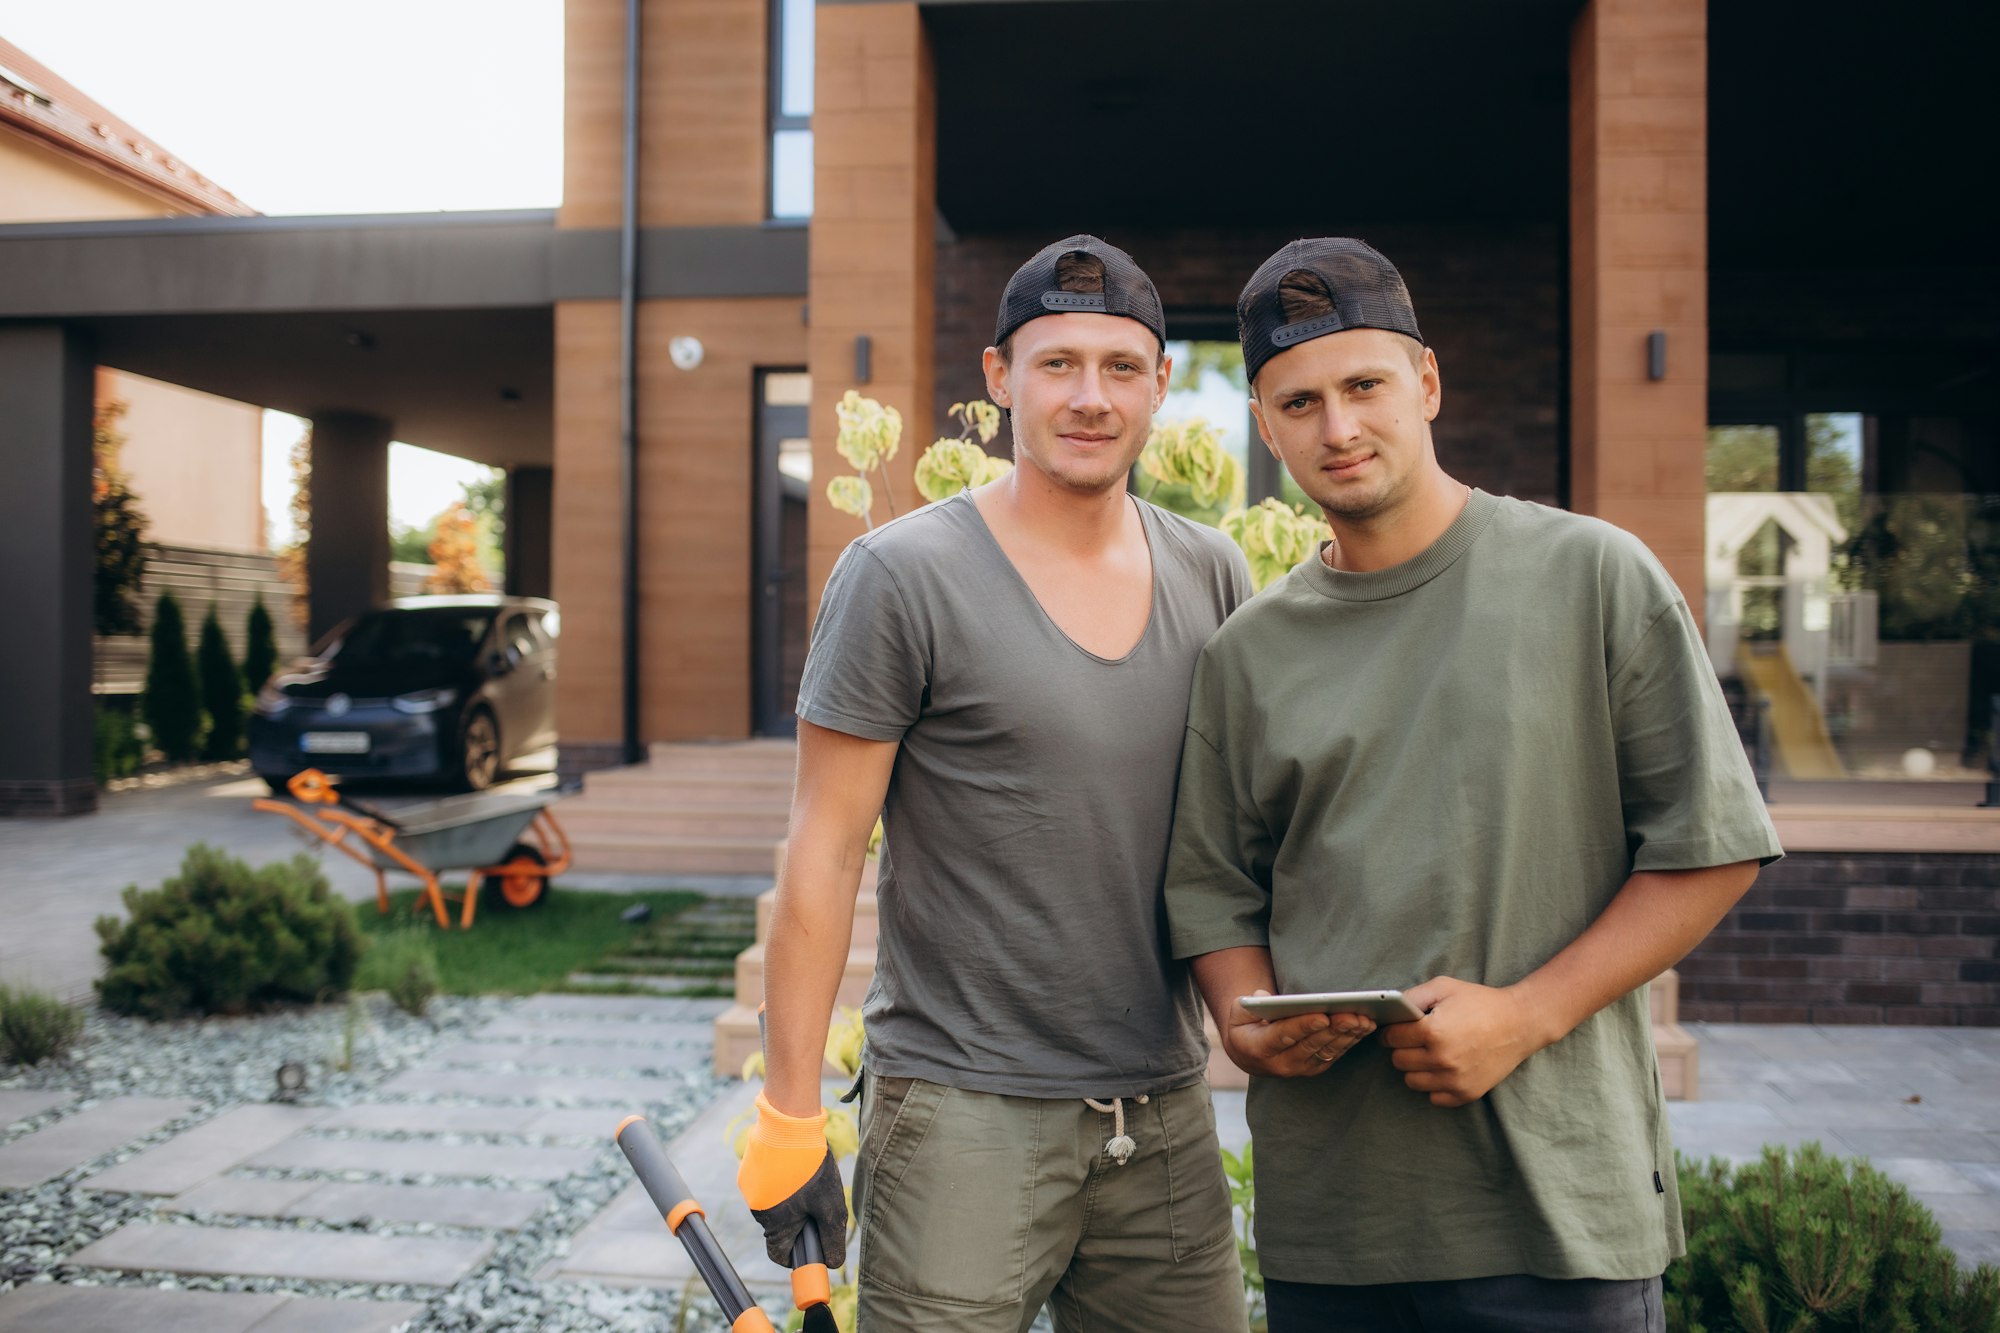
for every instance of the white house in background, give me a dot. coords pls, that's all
(1813, 530)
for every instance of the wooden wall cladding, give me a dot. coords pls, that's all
(696, 433)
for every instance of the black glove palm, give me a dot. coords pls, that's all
(820, 1199)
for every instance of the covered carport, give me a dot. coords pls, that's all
(438, 330)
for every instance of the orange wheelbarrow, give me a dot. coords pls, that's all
(511, 838)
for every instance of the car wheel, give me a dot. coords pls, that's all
(478, 751)
(522, 883)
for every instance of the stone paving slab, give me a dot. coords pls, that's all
(617, 1032)
(410, 1157)
(317, 1256)
(578, 1124)
(627, 1245)
(619, 1056)
(418, 1118)
(341, 1201)
(617, 1006)
(207, 1150)
(75, 1139)
(18, 1104)
(45, 1307)
(563, 1089)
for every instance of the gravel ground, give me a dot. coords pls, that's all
(220, 1063)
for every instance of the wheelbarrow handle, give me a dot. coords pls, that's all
(685, 1219)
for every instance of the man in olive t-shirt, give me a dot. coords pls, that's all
(1472, 749)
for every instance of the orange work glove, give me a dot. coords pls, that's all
(788, 1178)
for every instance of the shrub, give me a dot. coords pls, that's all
(221, 691)
(405, 964)
(116, 751)
(223, 938)
(260, 647)
(1813, 1243)
(172, 707)
(35, 1026)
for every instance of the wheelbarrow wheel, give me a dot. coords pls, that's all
(521, 880)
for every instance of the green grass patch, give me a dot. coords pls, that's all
(519, 953)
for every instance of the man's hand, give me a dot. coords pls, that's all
(1298, 1047)
(788, 1178)
(1470, 1038)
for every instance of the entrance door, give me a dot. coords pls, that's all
(778, 605)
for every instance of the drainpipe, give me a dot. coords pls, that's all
(628, 407)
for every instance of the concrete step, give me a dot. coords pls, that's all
(50, 1307)
(864, 915)
(1664, 995)
(594, 821)
(1680, 1062)
(319, 1256)
(854, 978)
(627, 854)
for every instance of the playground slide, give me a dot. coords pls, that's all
(1798, 728)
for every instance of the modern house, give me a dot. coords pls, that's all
(1635, 228)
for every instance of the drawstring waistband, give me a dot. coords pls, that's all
(1120, 1146)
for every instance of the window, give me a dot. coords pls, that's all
(791, 108)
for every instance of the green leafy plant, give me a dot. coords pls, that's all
(260, 647)
(35, 1026)
(844, 1040)
(221, 937)
(172, 704)
(957, 463)
(405, 964)
(1809, 1243)
(1243, 1196)
(1274, 536)
(868, 438)
(1190, 472)
(117, 749)
(221, 691)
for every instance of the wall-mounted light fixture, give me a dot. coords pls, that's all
(864, 358)
(685, 352)
(1656, 354)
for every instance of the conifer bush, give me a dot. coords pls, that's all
(172, 704)
(35, 1026)
(221, 691)
(405, 964)
(1802, 1242)
(260, 647)
(221, 937)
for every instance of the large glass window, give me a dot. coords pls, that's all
(1854, 597)
(791, 108)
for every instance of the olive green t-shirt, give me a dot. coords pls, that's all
(1449, 768)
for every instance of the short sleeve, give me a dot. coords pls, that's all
(1219, 861)
(868, 668)
(1689, 797)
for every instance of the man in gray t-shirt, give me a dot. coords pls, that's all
(1003, 676)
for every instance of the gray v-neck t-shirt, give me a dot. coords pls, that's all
(1022, 945)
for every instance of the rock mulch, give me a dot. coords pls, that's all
(430, 1170)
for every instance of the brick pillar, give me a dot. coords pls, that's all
(1639, 263)
(873, 245)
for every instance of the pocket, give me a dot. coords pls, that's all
(1198, 1207)
(896, 1115)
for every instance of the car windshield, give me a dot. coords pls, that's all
(441, 633)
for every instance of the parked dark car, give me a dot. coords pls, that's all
(449, 688)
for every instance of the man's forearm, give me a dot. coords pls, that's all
(1226, 974)
(1652, 923)
(804, 959)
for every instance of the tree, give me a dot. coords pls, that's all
(260, 647)
(410, 546)
(292, 559)
(121, 529)
(455, 553)
(171, 704)
(221, 691)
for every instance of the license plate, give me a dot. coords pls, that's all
(334, 742)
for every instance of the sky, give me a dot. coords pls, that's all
(366, 106)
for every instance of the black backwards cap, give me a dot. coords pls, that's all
(1367, 293)
(1033, 290)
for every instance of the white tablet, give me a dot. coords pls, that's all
(1384, 1006)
